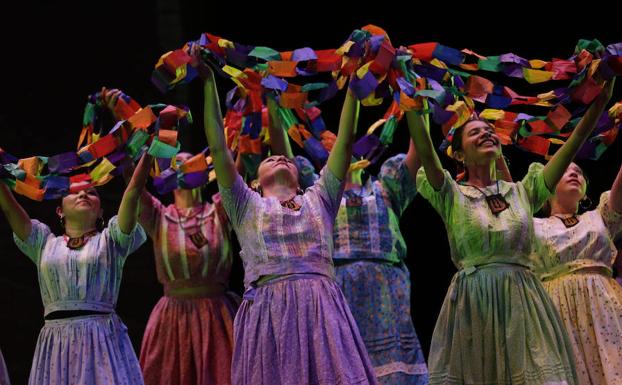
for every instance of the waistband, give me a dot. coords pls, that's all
(471, 269)
(104, 317)
(599, 270)
(249, 294)
(193, 288)
(73, 305)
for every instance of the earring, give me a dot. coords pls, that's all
(585, 203)
(62, 222)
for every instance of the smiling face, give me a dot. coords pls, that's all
(573, 185)
(84, 206)
(278, 169)
(478, 143)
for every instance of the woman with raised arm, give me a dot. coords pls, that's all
(294, 325)
(189, 336)
(369, 257)
(497, 324)
(575, 265)
(83, 341)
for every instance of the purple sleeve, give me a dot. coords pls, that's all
(398, 183)
(329, 189)
(237, 201)
(34, 244)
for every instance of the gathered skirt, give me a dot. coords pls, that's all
(590, 306)
(4, 373)
(189, 341)
(498, 325)
(93, 349)
(378, 295)
(298, 331)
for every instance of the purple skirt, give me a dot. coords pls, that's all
(92, 349)
(4, 374)
(298, 330)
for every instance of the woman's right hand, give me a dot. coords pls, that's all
(110, 98)
(195, 52)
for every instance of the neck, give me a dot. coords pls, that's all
(78, 228)
(187, 198)
(280, 192)
(481, 175)
(561, 207)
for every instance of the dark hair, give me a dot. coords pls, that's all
(456, 145)
(456, 140)
(545, 211)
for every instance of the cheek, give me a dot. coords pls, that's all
(65, 202)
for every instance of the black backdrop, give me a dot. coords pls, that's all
(55, 54)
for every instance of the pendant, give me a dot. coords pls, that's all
(198, 239)
(497, 203)
(570, 221)
(291, 204)
(79, 242)
(354, 201)
(76, 243)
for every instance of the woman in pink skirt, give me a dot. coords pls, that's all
(189, 336)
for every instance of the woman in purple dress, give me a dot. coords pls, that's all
(294, 325)
(83, 341)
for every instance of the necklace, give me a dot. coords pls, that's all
(291, 203)
(568, 221)
(196, 236)
(78, 242)
(353, 199)
(496, 202)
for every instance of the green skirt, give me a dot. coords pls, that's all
(498, 326)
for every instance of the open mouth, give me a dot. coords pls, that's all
(488, 143)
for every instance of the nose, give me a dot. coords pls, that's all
(82, 194)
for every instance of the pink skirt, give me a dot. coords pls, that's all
(189, 341)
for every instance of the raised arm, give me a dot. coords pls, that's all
(279, 142)
(14, 213)
(615, 197)
(412, 161)
(226, 171)
(145, 209)
(339, 158)
(128, 209)
(555, 168)
(420, 135)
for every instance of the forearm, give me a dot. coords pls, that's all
(14, 212)
(214, 132)
(555, 168)
(615, 197)
(425, 149)
(341, 153)
(279, 142)
(412, 161)
(128, 209)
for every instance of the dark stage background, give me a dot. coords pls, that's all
(55, 54)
